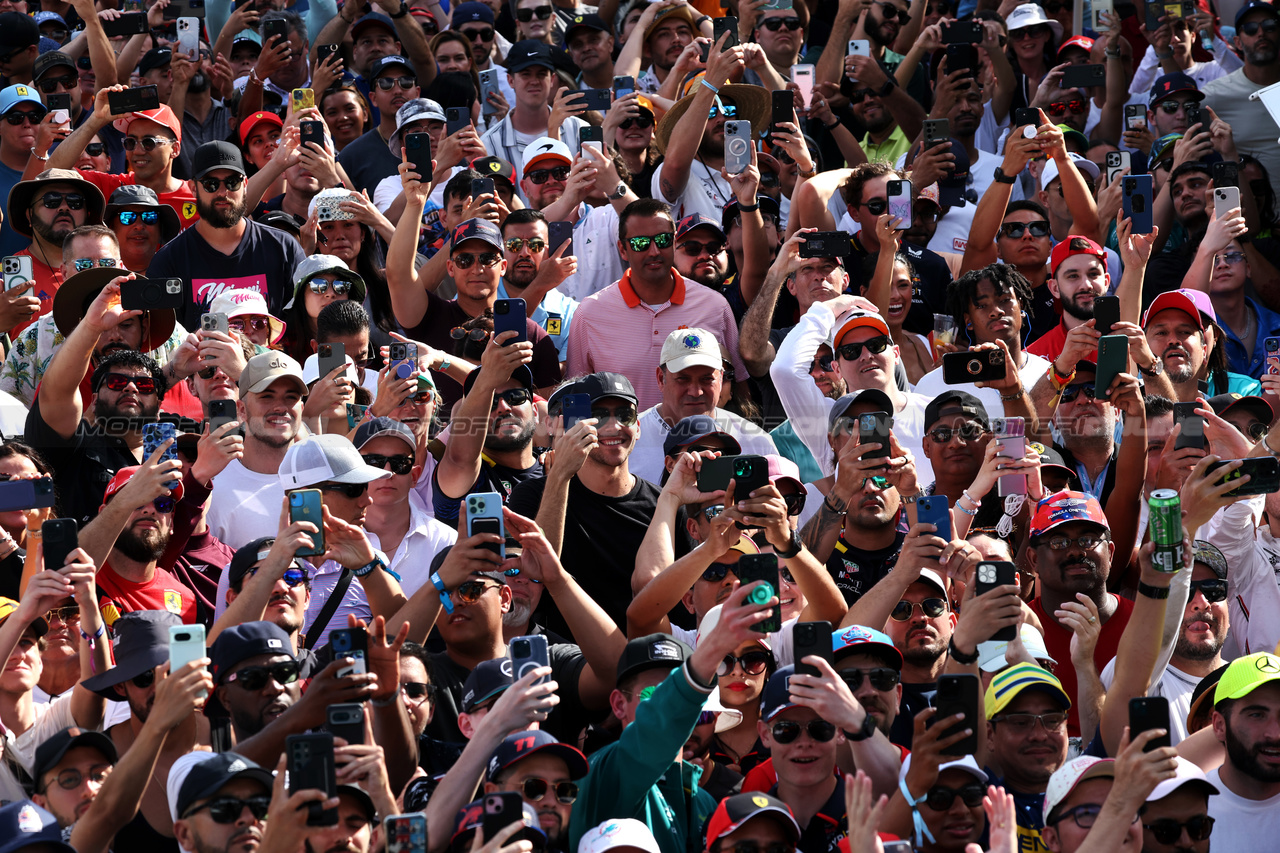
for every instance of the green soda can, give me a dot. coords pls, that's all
(1165, 524)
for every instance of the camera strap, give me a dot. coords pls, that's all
(330, 607)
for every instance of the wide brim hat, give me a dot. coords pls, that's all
(24, 191)
(169, 223)
(753, 103)
(69, 304)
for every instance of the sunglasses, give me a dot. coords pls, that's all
(1075, 105)
(1086, 542)
(458, 333)
(386, 84)
(888, 11)
(625, 415)
(795, 503)
(967, 432)
(1214, 590)
(791, 22)
(1252, 28)
(876, 206)
(464, 260)
(469, 592)
(164, 504)
(534, 789)
(726, 110)
(351, 490)
(1030, 32)
(82, 264)
(662, 241)
(857, 96)
(121, 381)
(66, 613)
(513, 397)
(227, 810)
(143, 680)
(53, 201)
(823, 363)
(401, 463)
(231, 182)
(95, 149)
(293, 576)
(320, 286)
(786, 731)
(876, 345)
(1015, 230)
(540, 176)
(1070, 393)
(1168, 831)
(69, 780)
(932, 608)
(17, 117)
(49, 85)
(515, 244)
(752, 663)
(694, 248)
(940, 798)
(482, 34)
(641, 121)
(148, 143)
(881, 678)
(1229, 258)
(768, 179)
(255, 323)
(418, 690)
(527, 15)
(256, 677)
(128, 217)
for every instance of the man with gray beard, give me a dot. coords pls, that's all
(1182, 334)
(1087, 428)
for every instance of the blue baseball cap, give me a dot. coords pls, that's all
(471, 12)
(240, 642)
(1255, 6)
(1171, 84)
(23, 824)
(19, 93)
(693, 429)
(518, 746)
(373, 19)
(777, 693)
(861, 639)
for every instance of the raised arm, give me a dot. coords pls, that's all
(409, 298)
(686, 136)
(987, 218)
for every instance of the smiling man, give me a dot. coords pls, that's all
(1077, 274)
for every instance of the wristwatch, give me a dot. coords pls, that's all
(619, 192)
(793, 548)
(404, 10)
(889, 85)
(866, 730)
(1001, 178)
(1156, 368)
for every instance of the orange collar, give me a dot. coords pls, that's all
(632, 299)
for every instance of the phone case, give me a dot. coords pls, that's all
(17, 271)
(826, 244)
(1263, 471)
(330, 357)
(1010, 434)
(958, 694)
(1026, 117)
(189, 37)
(1192, 434)
(557, 234)
(271, 29)
(782, 107)
(351, 643)
(737, 146)
(962, 32)
(802, 76)
(1100, 6)
(528, 653)
(17, 494)
(346, 720)
(417, 150)
(127, 24)
(1136, 198)
(715, 474)
(597, 99)
(456, 118)
(1192, 112)
(1083, 76)
(1135, 117)
(1106, 313)
(1113, 357)
(1117, 160)
(324, 51)
(936, 131)
(749, 473)
(221, 412)
(720, 26)
(59, 537)
(509, 315)
(134, 100)
(500, 810)
(934, 509)
(1272, 346)
(1225, 200)
(404, 359)
(154, 435)
(311, 131)
(873, 428)
(811, 638)
(484, 515)
(962, 56)
(762, 567)
(1226, 174)
(481, 186)
(405, 833)
(152, 294)
(305, 505)
(311, 766)
(214, 322)
(961, 368)
(355, 414)
(899, 195)
(186, 643)
(1146, 713)
(574, 408)
(987, 577)
(488, 86)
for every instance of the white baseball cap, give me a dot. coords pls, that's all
(326, 459)
(991, 653)
(1187, 773)
(966, 763)
(686, 348)
(311, 369)
(1084, 164)
(621, 832)
(241, 301)
(1065, 779)
(544, 148)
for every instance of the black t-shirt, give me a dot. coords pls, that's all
(11, 574)
(493, 478)
(930, 294)
(264, 261)
(915, 698)
(601, 538)
(367, 160)
(856, 570)
(82, 465)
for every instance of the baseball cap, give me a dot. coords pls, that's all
(1194, 303)
(205, 778)
(966, 763)
(11, 96)
(1186, 773)
(1084, 164)
(216, 155)
(734, 811)
(731, 211)
(1258, 406)
(1255, 6)
(383, 426)
(140, 643)
(382, 63)
(123, 476)
(1207, 553)
(527, 54)
(1006, 686)
(518, 746)
(622, 832)
(1065, 779)
(1083, 42)
(52, 749)
(711, 618)
(260, 117)
(781, 468)
(326, 459)
(472, 11)
(1202, 699)
(856, 319)
(1246, 674)
(245, 556)
(246, 640)
(694, 429)
(373, 19)
(1075, 245)
(686, 348)
(495, 167)
(488, 679)
(476, 229)
(874, 396)
(23, 824)
(1163, 147)
(157, 57)
(697, 220)
(1171, 84)
(1051, 458)
(263, 369)
(522, 375)
(544, 148)
(933, 579)
(601, 385)
(650, 652)
(954, 402)
(51, 59)
(776, 697)
(859, 639)
(585, 22)
(1064, 508)
(991, 652)
(161, 115)
(471, 817)
(239, 302)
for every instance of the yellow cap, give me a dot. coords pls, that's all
(1246, 675)
(1008, 684)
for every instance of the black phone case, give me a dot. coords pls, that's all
(762, 567)
(221, 412)
(271, 29)
(1226, 174)
(783, 107)
(1106, 313)
(749, 473)
(958, 694)
(1113, 358)
(60, 536)
(481, 186)
(152, 294)
(1083, 76)
(812, 638)
(58, 101)
(1149, 712)
(989, 575)
(133, 100)
(311, 766)
(558, 233)
(1192, 434)
(959, 368)
(715, 474)
(500, 810)
(311, 131)
(936, 131)
(488, 525)
(826, 244)
(1263, 471)
(961, 55)
(417, 149)
(962, 32)
(1024, 116)
(875, 430)
(597, 99)
(510, 315)
(346, 720)
(128, 24)
(456, 118)
(720, 26)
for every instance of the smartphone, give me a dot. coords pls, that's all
(417, 150)
(1225, 173)
(1083, 76)
(1225, 200)
(825, 244)
(1192, 434)
(811, 638)
(481, 186)
(306, 505)
(60, 105)
(715, 474)
(1113, 358)
(1263, 471)
(574, 408)
(330, 357)
(1026, 117)
(1192, 111)
(858, 47)
(189, 38)
(900, 202)
(17, 271)
(1106, 313)
(186, 643)
(748, 473)
(1136, 200)
(873, 428)
(596, 99)
(489, 86)
(990, 575)
(21, 494)
(529, 652)
(958, 694)
(1100, 6)
(59, 537)
(311, 131)
(221, 412)
(355, 414)
(510, 315)
(1272, 346)
(484, 515)
(1150, 712)
(501, 810)
(324, 51)
(271, 29)
(936, 131)
(737, 146)
(962, 56)
(455, 119)
(405, 833)
(783, 109)
(802, 76)
(151, 294)
(720, 26)
(762, 567)
(345, 720)
(404, 359)
(128, 24)
(934, 509)
(959, 368)
(961, 32)
(1135, 117)
(133, 100)
(215, 322)
(154, 435)
(559, 233)
(589, 134)
(1011, 442)
(311, 766)
(1117, 160)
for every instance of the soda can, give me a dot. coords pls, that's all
(1165, 524)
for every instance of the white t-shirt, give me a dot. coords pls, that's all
(426, 538)
(117, 712)
(1174, 685)
(244, 505)
(706, 192)
(931, 385)
(50, 719)
(648, 461)
(1241, 824)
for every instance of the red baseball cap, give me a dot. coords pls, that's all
(160, 115)
(1077, 41)
(123, 476)
(247, 126)
(1075, 245)
(734, 811)
(1064, 508)
(1195, 303)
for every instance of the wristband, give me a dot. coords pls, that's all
(910, 499)
(959, 656)
(977, 504)
(43, 159)
(1009, 398)
(698, 22)
(972, 513)
(401, 12)
(1156, 592)
(382, 703)
(921, 829)
(743, 208)
(97, 635)
(713, 89)
(445, 365)
(833, 125)
(889, 85)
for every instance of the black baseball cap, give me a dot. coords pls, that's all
(241, 642)
(52, 750)
(874, 396)
(520, 745)
(585, 22)
(651, 652)
(730, 210)
(382, 63)
(734, 811)
(475, 229)
(527, 54)
(141, 644)
(601, 385)
(50, 59)
(486, 681)
(522, 375)
(693, 429)
(157, 57)
(954, 402)
(495, 167)
(1257, 406)
(206, 778)
(23, 824)
(216, 155)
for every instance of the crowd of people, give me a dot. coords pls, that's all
(652, 427)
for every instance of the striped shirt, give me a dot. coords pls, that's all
(615, 331)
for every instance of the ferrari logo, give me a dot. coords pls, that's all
(493, 167)
(188, 210)
(553, 325)
(23, 91)
(760, 801)
(173, 601)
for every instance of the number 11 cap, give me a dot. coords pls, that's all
(520, 745)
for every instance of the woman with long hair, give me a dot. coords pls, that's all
(346, 112)
(452, 52)
(352, 236)
(19, 461)
(1032, 50)
(628, 130)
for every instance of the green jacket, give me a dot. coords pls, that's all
(637, 776)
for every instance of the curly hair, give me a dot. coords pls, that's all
(130, 358)
(851, 189)
(1005, 278)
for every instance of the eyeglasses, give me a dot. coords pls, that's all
(464, 260)
(95, 149)
(1214, 590)
(534, 789)
(1030, 32)
(69, 780)
(17, 117)
(930, 608)
(417, 690)
(540, 176)
(54, 200)
(121, 381)
(888, 11)
(66, 613)
(1088, 541)
(82, 264)
(876, 206)
(881, 678)
(49, 85)
(625, 415)
(469, 592)
(351, 490)
(876, 345)
(1026, 723)
(940, 797)
(1075, 105)
(1253, 27)
(1168, 831)
(293, 576)
(458, 333)
(128, 217)
(401, 463)
(965, 432)
(823, 364)
(148, 143)
(253, 322)
(320, 286)
(164, 504)
(1070, 393)
(1015, 230)
(1228, 257)
(527, 15)
(641, 121)
(1170, 106)
(694, 248)
(231, 182)
(256, 677)
(752, 663)
(515, 244)
(482, 34)
(226, 810)
(786, 731)
(722, 109)
(662, 241)
(791, 22)
(512, 396)
(386, 84)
